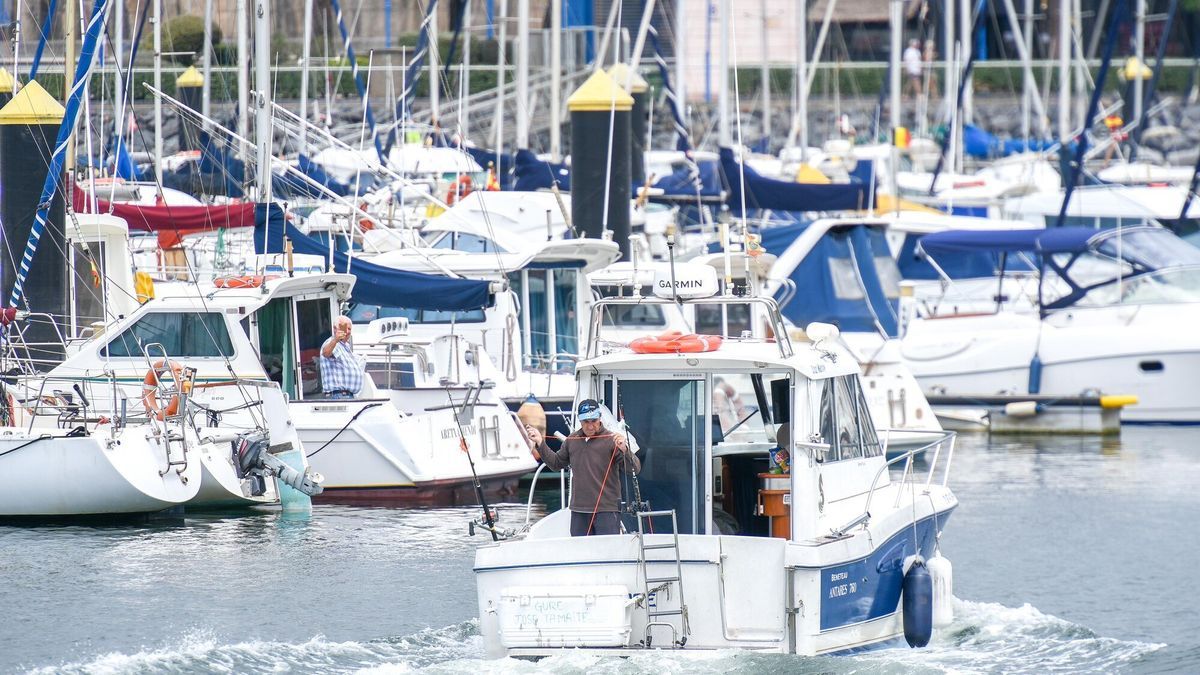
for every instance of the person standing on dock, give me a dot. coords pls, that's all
(914, 66)
(593, 454)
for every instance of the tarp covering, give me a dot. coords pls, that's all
(180, 218)
(679, 183)
(483, 156)
(838, 282)
(969, 265)
(531, 173)
(767, 193)
(1054, 240)
(375, 285)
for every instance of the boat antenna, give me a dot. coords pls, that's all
(671, 263)
(462, 443)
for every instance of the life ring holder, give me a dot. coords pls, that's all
(675, 342)
(150, 384)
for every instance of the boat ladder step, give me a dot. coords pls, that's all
(680, 632)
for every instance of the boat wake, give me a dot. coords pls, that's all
(985, 637)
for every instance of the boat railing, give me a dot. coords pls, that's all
(771, 308)
(938, 470)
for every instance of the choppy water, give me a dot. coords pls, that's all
(1070, 555)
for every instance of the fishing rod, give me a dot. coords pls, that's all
(462, 443)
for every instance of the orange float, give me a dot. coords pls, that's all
(150, 389)
(459, 189)
(243, 281)
(675, 342)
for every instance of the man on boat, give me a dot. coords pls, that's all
(341, 370)
(597, 457)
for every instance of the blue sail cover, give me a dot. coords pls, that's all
(1053, 240)
(838, 282)
(679, 184)
(375, 285)
(531, 173)
(963, 265)
(767, 193)
(484, 157)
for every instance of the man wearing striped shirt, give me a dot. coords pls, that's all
(341, 369)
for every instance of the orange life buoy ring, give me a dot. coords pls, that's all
(675, 342)
(243, 281)
(150, 389)
(458, 189)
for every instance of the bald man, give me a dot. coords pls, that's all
(341, 370)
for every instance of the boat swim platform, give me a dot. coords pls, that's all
(1031, 413)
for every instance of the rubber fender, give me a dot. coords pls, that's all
(918, 605)
(942, 574)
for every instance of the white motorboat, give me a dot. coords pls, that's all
(1108, 312)
(1108, 206)
(397, 441)
(717, 552)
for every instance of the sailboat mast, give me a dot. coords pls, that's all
(723, 131)
(262, 84)
(1140, 55)
(243, 78)
(158, 118)
(1064, 70)
(305, 56)
(522, 140)
(765, 73)
(206, 54)
(555, 79)
(895, 18)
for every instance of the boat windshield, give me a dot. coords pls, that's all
(1175, 285)
(1146, 266)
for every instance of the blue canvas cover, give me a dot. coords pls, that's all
(768, 193)
(859, 302)
(531, 173)
(963, 265)
(679, 184)
(483, 157)
(375, 285)
(1054, 240)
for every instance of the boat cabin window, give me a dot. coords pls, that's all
(363, 313)
(87, 286)
(844, 275)
(635, 316)
(728, 320)
(466, 243)
(189, 335)
(844, 423)
(549, 314)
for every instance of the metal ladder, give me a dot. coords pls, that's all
(653, 585)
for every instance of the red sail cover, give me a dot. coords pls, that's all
(179, 219)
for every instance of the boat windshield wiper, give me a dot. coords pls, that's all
(752, 413)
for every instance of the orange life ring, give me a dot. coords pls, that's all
(243, 281)
(674, 342)
(458, 189)
(150, 389)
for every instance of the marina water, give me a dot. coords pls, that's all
(1070, 554)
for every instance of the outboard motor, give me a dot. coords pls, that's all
(918, 605)
(254, 464)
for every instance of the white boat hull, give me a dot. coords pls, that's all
(91, 476)
(386, 456)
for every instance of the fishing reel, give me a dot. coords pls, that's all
(482, 523)
(633, 508)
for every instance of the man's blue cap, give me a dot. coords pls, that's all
(589, 409)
